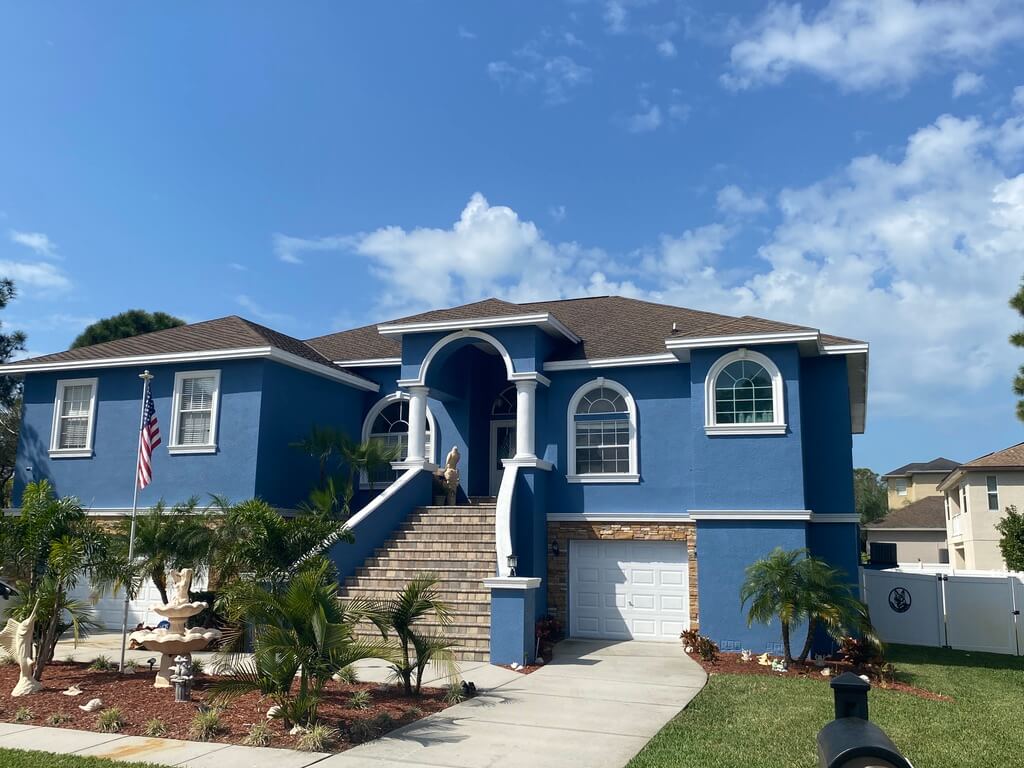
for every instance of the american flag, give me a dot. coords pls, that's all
(149, 438)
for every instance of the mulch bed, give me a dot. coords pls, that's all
(139, 701)
(731, 664)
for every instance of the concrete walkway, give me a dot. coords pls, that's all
(596, 705)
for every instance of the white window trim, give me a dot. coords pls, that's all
(633, 476)
(56, 452)
(901, 491)
(175, 448)
(775, 427)
(380, 405)
(989, 493)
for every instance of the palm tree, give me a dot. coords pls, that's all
(416, 649)
(831, 603)
(305, 631)
(773, 588)
(164, 538)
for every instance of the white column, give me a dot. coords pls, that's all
(417, 423)
(526, 399)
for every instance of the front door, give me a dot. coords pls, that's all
(503, 446)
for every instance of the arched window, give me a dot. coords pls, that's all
(388, 423)
(505, 404)
(602, 434)
(743, 396)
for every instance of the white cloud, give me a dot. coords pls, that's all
(864, 45)
(667, 49)
(645, 121)
(237, 267)
(1018, 97)
(732, 199)
(557, 212)
(257, 311)
(466, 34)
(40, 275)
(557, 76)
(615, 16)
(966, 83)
(290, 249)
(37, 241)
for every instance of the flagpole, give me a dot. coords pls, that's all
(145, 376)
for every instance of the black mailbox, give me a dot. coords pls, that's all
(851, 741)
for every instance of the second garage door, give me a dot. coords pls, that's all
(628, 590)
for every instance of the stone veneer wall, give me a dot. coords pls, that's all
(564, 532)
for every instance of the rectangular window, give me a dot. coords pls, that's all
(993, 492)
(963, 500)
(901, 486)
(74, 410)
(602, 447)
(196, 395)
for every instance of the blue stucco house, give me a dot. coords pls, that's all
(622, 461)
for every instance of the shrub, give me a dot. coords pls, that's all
(319, 738)
(154, 728)
(383, 722)
(690, 637)
(860, 651)
(259, 735)
(360, 700)
(413, 713)
(362, 730)
(205, 725)
(706, 649)
(347, 675)
(418, 600)
(1011, 541)
(111, 720)
(454, 693)
(102, 664)
(22, 715)
(58, 718)
(131, 666)
(198, 667)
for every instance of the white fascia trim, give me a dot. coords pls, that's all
(661, 358)
(605, 517)
(512, 582)
(621, 477)
(540, 378)
(844, 349)
(788, 337)
(370, 362)
(70, 453)
(750, 514)
(916, 530)
(528, 461)
(239, 353)
(839, 517)
(550, 323)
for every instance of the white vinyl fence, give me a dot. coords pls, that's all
(970, 612)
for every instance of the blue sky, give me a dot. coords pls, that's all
(854, 166)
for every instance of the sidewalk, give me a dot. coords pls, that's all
(595, 706)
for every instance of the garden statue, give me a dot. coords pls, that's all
(746, 655)
(451, 475)
(175, 639)
(764, 659)
(91, 705)
(16, 639)
(182, 678)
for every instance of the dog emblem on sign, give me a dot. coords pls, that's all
(899, 599)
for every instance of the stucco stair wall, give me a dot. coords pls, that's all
(457, 545)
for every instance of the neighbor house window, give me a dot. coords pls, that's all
(992, 486)
(196, 396)
(963, 500)
(388, 424)
(74, 411)
(901, 486)
(743, 396)
(602, 434)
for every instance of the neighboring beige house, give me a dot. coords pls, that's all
(911, 535)
(976, 495)
(916, 481)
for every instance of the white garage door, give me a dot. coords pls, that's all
(628, 590)
(109, 609)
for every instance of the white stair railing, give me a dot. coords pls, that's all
(503, 519)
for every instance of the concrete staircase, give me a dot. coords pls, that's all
(456, 544)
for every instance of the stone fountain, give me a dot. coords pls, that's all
(177, 640)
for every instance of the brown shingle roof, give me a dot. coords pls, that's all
(1008, 457)
(223, 333)
(608, 326)
(928, 512)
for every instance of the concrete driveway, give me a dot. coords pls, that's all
(595, 705)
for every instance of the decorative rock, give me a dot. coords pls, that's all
(826, 672)
(764, 659)
(688, 649)
(746, 655)
(74, 690)
(273, 712)
(92, 705)
(865, 678)
(298, 730)
(540, 661)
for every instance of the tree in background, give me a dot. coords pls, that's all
(1011, 542)
(10, 399)
(131, 323)
(1017, 339)
(870, 498)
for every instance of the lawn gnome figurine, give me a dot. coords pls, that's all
(16, 639)
(451, 475)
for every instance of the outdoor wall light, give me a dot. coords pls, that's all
(513, 561)
(554, 547)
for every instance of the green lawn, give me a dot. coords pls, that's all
(17, 758)
(746, 721)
